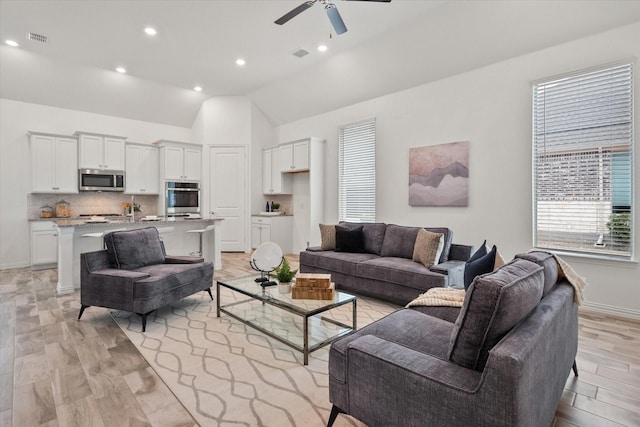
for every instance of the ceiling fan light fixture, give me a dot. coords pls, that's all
(335, 18)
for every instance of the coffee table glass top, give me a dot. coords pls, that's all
(248, 286)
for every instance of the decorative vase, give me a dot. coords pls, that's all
(284, 287)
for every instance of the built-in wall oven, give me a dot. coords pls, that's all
(182, 198)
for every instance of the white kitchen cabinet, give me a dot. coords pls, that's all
(276, 229)
(142, 173)
(44, 244)
(104, 152)
(294, 156)
(273, 181)
(180, 161)
(54, 163)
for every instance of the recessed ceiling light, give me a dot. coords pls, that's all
(240, 62)
(197, 88)
(150, 31)
(322, 48)
(12, 43)
(121, 70)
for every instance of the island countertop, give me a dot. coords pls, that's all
(87, 223)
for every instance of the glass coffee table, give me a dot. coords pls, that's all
(303, 324)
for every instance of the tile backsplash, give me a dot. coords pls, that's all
(91, 203)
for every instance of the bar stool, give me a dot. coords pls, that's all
(101, 234)
(201, 232)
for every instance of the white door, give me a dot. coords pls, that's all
(228, 194)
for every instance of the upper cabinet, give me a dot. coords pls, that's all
(273, 181)
(141, 171)
(180, 161)
(294, 156)
(101, 151)
(54, 163)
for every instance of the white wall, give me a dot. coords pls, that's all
(16, 118)
(491, 108)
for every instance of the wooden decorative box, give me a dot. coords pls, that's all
(313, 280)
(302, 292)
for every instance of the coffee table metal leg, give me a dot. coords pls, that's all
(355, 318)
(305, 348)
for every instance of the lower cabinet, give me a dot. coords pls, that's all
(277, 229)
(44, 244)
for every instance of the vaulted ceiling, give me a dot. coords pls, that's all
(389, 47)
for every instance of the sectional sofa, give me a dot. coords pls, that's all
(503, 361)
(384, 268)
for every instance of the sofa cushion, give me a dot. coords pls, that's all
(166, 277)
(400, 271)
(327, 237)
(448, 240)
(494, 304)
(399, 241)
(349, 239)
(340, 262)
(550, 265)
(131, 249)
(477, 266)
(428, 247)
(373, 235)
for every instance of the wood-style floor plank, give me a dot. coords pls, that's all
(71, 373)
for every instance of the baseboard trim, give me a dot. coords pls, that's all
(611, 310)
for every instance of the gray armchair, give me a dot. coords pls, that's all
(504, 362)
(134, 274)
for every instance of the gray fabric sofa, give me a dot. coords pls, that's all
(503, 362)
(385, 269)
(134, 274)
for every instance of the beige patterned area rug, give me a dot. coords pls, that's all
(229, 374)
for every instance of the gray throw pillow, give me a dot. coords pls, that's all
(133, 249)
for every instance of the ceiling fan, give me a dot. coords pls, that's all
(329, 7)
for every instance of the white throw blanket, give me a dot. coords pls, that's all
(449, 297)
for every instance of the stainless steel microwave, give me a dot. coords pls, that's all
(182, 198)
(100, 180)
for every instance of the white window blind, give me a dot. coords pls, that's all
(583, 162)
(357, 172)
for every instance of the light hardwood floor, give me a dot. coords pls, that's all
(56, 371)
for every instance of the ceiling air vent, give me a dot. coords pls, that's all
(300, 52)
(37, 37)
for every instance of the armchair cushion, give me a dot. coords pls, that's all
(131, 249)
(494, 304)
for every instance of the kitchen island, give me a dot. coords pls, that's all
(76, 236)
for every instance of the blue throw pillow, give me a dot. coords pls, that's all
(481, 262)
(349, 239)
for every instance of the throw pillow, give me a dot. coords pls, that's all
(327, 237)
(349, 239)
(479, 264)
(499, 261)
(428, 248)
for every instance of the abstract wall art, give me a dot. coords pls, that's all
(439, 175)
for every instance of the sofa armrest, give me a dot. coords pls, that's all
(182, 259)
(454, 270)
(112, 288)
(460, 252)
(414, 386)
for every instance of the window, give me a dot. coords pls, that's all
(357, 172)
(583, 162)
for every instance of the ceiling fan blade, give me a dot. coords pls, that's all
(336, 19)
(294, 12)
